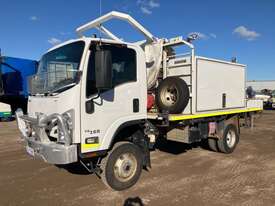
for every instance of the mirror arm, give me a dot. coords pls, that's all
(90, 103)
(97, 95)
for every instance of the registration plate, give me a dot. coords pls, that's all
(30, 151)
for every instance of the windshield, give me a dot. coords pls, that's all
(58, 69)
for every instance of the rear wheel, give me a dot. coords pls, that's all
(122, 167)
(230, 139)
(172, 95)
(212, 144)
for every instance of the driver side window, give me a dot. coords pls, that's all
(123, 67)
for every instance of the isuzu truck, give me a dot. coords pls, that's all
(105, 102)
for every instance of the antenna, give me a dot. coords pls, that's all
(100, 5)
(100, 11)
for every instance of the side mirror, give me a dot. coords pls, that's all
(90, 106)
(103, 69)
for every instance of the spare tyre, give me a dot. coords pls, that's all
(172, 95)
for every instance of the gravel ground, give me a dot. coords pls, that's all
(180, 175)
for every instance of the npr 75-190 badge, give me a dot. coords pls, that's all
(95, 131)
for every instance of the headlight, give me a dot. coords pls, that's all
(68, 118)
(29, 130)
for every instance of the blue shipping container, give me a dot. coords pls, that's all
(14, 73)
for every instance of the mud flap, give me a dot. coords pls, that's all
(139, 139)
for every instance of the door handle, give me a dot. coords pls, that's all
(136, 105)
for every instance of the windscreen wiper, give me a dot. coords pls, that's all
(60, 89)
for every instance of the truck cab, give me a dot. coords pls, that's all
(66, 83)
(86, 91)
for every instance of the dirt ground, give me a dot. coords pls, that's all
(180, 175)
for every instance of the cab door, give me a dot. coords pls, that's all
(124, 102)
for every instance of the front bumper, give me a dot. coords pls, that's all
(52, 153)
(39, 145)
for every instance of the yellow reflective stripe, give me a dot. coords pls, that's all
(89, 146)
(195, 116)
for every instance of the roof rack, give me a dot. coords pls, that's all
(97, 24)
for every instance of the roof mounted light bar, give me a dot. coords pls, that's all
(97, 24)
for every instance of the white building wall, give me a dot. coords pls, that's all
(258, 85)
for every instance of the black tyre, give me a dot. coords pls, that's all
(172, 95)
(212, 144)
(122, 167)
(230, 139)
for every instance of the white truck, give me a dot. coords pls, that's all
(105, 102)
(5, 111)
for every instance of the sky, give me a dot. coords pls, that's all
(233, 28)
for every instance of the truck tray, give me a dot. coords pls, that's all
(179, 117)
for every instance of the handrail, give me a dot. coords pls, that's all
(108, 33)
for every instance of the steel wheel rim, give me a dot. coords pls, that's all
(125, 167)
(231, 138)
(169, 95)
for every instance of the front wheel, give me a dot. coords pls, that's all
(122, 167)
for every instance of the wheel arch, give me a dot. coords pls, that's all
(132, 131)
(231, 119)
(124, 131)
